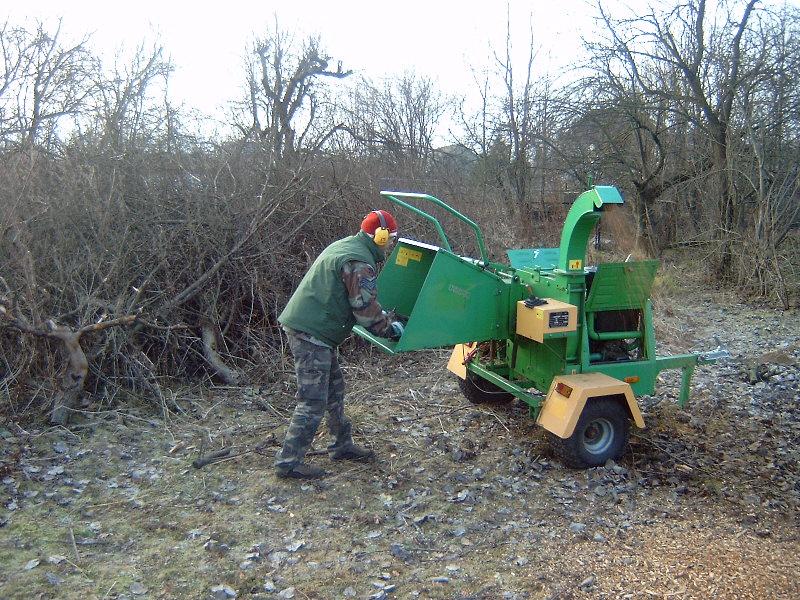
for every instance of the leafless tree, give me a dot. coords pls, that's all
(396, 121)
(617, 133)
(125, 99)
(44, 81)
(711, 55)
(768, 162)
(287, 105)
(509, 130)
(517, 123)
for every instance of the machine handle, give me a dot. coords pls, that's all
(395, 197)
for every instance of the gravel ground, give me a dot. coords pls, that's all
(465, 501)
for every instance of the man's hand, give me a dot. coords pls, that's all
(397, 330)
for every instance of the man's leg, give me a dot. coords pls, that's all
(339, 426)
(312, 364)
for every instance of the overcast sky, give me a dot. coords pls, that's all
(442, 39)
(437, 38)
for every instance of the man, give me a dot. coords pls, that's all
(338, 292)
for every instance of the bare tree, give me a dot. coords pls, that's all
(517, 124)
(619, 133)
(286, 96)
(706, 53)
(507, 132)
(396, 121)
(43, 81)
(768, 160)
(125, 98)
(14, 51)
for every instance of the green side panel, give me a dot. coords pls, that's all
(457, 303)
(541, 258)
(447, 299)
(537, 362)
(620, 286)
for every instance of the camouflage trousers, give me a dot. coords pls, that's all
(320, 392)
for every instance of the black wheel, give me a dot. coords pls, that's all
(478, 391)
(601, 433)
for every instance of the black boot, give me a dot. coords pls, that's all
(301, 471)
(351, 452)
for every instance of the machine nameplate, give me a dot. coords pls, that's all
(559, 319)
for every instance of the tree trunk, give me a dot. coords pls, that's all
(74, 376)
(224, 372)
(726, 204)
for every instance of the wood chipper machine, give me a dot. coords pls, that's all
(574, 342)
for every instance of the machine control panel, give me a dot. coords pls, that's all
(543, 320)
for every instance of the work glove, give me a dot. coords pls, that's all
(397, 330)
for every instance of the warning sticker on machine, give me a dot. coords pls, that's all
(558, 319)
(406, 254)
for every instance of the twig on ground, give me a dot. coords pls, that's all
(109, 590)
(212, 458)
(432, 415)
(486, 411)
(74, 545)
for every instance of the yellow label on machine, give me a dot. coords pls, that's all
(575, 265)
(406, 254)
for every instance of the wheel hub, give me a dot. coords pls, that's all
(598, 436)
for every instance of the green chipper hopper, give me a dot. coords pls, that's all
(575, 343)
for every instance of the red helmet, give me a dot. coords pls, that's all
(382, 222)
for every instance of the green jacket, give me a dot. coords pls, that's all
(320, 305)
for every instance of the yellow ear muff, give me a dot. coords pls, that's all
(382, 233)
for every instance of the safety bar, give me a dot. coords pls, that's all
(395, 197)
(686, 363)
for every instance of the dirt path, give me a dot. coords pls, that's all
(464, 502)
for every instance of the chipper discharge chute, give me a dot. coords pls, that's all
(575, 343)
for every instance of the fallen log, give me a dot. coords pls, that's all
(72, 384)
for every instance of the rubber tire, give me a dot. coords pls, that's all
(479, 391)
(608, 413)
